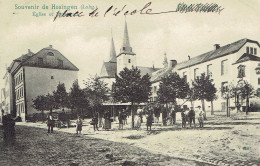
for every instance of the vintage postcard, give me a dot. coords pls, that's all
(130, 82)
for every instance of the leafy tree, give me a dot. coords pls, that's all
(204, 89)
(246, 91)
(191, 96)
(39, 103)
(61, 96)
(130, 86)
(96, 91)
(171, 87)
(50, 102)
(228, 92)
(77, 99)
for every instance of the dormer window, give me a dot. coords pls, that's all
(60, 63)
(50, 54)
(40, 61)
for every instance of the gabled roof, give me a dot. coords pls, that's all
(108, 70)
(222, 51)
(51, 59)
(147, 70)
(158, 75)
(247, 57)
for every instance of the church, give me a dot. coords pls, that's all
(234, 63)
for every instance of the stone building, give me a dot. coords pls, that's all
(36, 74)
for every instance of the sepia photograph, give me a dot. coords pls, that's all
(130, 83)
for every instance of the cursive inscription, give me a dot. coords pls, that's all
(146, 9)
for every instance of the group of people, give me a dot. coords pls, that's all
(152, 114)
(188, 115)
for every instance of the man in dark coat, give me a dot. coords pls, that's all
(192, 116)
(50, 123)
(9, 130)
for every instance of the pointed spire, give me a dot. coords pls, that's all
(126, 42)
(112, 57)
(165, 61)
(126, 48)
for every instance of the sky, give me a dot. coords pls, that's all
(85, 40)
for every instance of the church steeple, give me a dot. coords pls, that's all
(165, 61)
(126, 48)
(112, 57)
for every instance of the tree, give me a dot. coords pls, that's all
(171, 87)
(191, 96)
(204, 89)
(227, 92)
(130, 86)
(61, 96)
(77, 100)
(96, 91)
(39, 103)
(246, 91)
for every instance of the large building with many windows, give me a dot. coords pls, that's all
(36, 74)
(234, 63)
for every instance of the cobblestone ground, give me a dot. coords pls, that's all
(34, 146)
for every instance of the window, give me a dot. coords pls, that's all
(224, 68)
(259, 81)
(224, 87)
(60, 63)
(185, 76)
(129, 60)
(123, 48)
(50, 54)
(247, 50)
(209, 70)
(241, 71)
(40, 61)
(155, 98)
(255, 51)
(251, 50)
(52, 77)
(195, 73)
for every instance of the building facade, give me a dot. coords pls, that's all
(37, 74)
(229, 64)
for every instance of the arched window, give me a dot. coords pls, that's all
(50, 54)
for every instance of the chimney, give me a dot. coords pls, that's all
(216, 46)
(50, 46)
(29, 51)
(172, 64)
(189, 57)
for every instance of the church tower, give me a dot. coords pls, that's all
(126, 57)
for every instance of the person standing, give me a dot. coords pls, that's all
(9, 128)
(50, 123)
(107, 124)
(79, 125)
(201, 116)
(173, 116)
(120, 119)
(149, 120)
(183, 119)
(192, 116)
(94, 122)
(164, 116)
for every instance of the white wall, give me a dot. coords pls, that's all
(38, 82)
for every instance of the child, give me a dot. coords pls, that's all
(79, 125)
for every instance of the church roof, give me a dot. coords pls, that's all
(112, 51)
(247, 57)
(108, 70)
(147, 70)
(222, 51)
